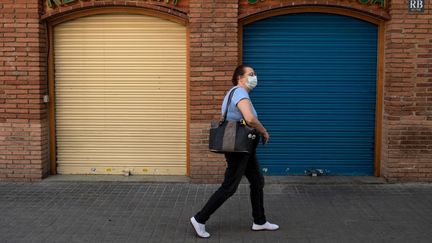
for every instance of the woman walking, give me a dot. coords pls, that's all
(238, 164)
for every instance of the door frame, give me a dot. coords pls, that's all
(379, 22)
(52, 23)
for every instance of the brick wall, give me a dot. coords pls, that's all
(408, 95)
(23, 119)
(406, 153)
(213, 57)
(213, 30)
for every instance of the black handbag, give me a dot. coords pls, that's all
(231, 136)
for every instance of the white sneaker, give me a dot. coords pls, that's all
(266, 226)
(199, 228)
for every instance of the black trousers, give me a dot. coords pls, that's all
(238, 164)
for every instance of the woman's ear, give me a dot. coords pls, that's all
(240, 79)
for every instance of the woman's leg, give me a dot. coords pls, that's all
(256, 180)
(236, 165)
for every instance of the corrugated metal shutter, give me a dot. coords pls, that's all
(120, 83)
(316, 92)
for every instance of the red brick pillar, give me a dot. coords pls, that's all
(213, 57)
(407, 121)
(23, 119)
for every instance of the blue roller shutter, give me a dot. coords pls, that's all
(316, 92)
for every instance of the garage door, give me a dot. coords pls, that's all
(120, 84)
(316, 92)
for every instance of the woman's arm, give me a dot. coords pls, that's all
(245, 108)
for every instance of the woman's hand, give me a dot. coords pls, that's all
(265, 137)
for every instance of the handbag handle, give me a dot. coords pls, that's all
(228, 104)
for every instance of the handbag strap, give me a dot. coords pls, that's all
(228, 103)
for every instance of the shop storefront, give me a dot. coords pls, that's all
(115, 87)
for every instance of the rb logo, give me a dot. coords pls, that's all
(416, 5)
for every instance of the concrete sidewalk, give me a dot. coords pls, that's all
(115, 211)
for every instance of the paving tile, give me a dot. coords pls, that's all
(116, 211)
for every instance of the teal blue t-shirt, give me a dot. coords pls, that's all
(234, 114)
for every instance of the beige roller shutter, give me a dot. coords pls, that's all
(120, 83)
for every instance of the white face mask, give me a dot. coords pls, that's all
(252, 82)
